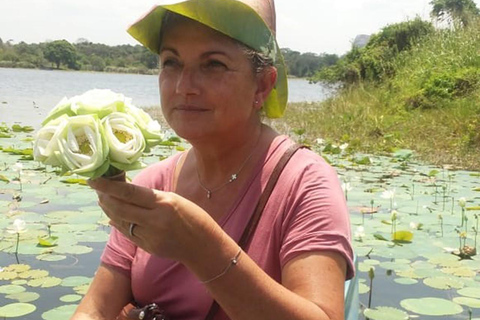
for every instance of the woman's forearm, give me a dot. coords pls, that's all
(245, 291)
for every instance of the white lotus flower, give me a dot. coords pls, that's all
(46, 141)
(150, 128)
(101, 102)
(393, 215)
(462, 202)
(18, 226)
(388, 194)
(17, 167)
(125, 140)
(346, 187)
(82, 147)
(344, 146)
(359, 232)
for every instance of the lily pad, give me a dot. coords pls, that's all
(60, 313)
(385, 313)
(14, 310)
(75, 281)
(46, 282)
(469, 302)
(405, 281)
(71, 298)
(11, 288)
(432, 306)
(443, 283)
(23, 296)
(470, 292)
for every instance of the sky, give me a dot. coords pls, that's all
(318, 26)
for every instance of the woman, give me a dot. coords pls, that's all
(176, 228)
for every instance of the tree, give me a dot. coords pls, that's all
(61, 52)
(459, 11)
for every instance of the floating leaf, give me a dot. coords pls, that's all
(71, 298)
(23, 296)
(385, 313)
(443, 283)
(11, 288)
(46, 282)
(433, 173)
(363, 288)
(33, 274)
(459, 272)
(432, 306)
(475, 208)
(79, 181)
(8, 275)
(17, 267)
(62, 312)
(16, 310)
(47, 241)
(51, 257)
(402, 236)
(75, 281)
(82, 289)
(469, 302)
(470, 292)
(4, 179)
(378, 236)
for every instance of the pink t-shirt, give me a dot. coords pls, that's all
(306, 212)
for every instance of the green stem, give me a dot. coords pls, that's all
(16, 248)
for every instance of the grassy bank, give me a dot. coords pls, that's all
(430, 104)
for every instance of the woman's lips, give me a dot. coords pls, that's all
(190, 108)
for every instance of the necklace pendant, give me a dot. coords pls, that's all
(233, 177)
(209, 194)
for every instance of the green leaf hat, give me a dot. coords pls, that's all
(233, 18)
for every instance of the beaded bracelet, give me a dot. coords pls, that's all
(233, 262)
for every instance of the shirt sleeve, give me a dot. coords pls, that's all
(317, 216)
(119, 252)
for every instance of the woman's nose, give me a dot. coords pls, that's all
(187, 82)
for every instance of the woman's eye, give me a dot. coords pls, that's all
(215, 64)
(169, 63)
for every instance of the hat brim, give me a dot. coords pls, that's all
(232, 18)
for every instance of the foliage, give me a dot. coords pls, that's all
(376, 61)
(82, 55)
(306, 64)
(456, 11)
(61, 52)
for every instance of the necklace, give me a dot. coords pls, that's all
(232, 178)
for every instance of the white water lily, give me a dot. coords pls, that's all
(388, 194)
(359, 232)
(82, 146)
(46, 141)
(150, 128)
(343, 147)
(101, 102)
(18, 226)
(17, 167)
(462, 202)
(346, 187)
(125, 140)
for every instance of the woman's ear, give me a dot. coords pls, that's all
(266, 81)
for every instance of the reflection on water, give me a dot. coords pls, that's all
(27, 95)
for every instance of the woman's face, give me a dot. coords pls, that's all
(207, 84)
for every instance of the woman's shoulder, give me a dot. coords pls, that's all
(158, 175)
(304, 159)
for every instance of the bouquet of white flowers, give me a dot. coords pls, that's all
(97, 133)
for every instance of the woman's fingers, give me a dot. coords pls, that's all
(127, 192)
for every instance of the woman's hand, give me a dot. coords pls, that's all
(166, 224)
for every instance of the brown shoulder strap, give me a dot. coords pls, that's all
(255, 219)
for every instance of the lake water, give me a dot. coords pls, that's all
(26, 95)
